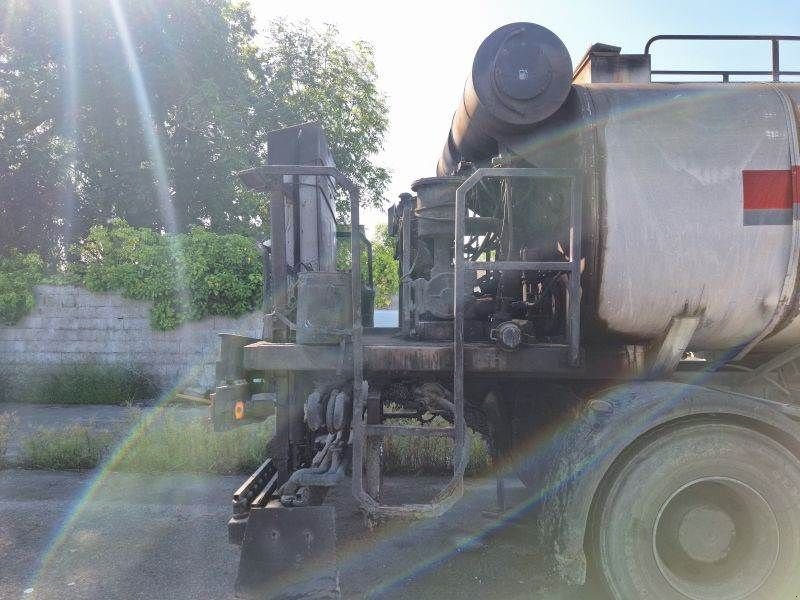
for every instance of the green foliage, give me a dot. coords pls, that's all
(163, 443)
(195, 58)
(31, 184)
(310, 75)
(89, 384)
(224, 273)
(72, 449)
(79, 146)
(18, 274)
(385, 272)
(186, 277)
(168, 444)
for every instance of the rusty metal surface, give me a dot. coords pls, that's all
(520, 76)
(573, 180)
(324, 309)
(255, 491)
(289, 553)
(664, 206)
(387, 355)
(665, 354)
(673, 192)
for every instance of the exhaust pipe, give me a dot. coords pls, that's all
(521, 75)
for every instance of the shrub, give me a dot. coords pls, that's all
(90, 384)
(187, 276)
(75, 448)
(18, 274)
(223, 273)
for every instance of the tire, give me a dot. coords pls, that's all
(704, 511)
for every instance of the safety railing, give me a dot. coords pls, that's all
(775, 72)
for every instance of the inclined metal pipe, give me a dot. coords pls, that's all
(520, 76)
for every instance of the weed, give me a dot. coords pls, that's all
(89, 384)
(165, 443)
(432, 455)
(75, 448)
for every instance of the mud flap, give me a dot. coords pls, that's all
(289, 553)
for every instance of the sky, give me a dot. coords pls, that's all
(424, 50)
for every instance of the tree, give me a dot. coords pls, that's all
(66, 64)
(384, 267)
(144, 111)
(310, 75)
(31, 184)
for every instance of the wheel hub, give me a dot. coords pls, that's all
(716, 538)
(706, 533)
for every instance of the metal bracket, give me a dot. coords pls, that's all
(665, 354)
(572, 266)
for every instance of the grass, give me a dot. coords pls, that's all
(75, 448)
(432, 456)
(89, 384)
(6, 424)
(161, 442)
(167, 444)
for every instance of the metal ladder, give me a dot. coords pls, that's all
(365, 432)
(572, 266)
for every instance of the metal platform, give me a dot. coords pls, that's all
(387, 353)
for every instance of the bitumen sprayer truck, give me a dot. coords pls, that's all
(601, 279)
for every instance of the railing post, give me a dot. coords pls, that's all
(277, 218)
(776, 60)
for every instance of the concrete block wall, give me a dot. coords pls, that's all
(71, 325)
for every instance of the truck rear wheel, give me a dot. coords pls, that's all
(706, 511)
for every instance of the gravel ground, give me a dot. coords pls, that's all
(80, 535)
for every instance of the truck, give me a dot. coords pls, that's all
(601, 279)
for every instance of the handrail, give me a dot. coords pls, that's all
(271, 177)
(776, 72)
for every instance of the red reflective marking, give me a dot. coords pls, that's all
(771, 189)
(796, 183)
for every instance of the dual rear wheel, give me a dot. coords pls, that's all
(704, 511)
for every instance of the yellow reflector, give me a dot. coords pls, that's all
(238, 410)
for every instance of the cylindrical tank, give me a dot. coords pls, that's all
(691, 190)
(520, 76)
(691, 196)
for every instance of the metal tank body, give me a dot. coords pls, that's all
(690, 191)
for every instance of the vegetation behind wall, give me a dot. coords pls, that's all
(187, 276)
(18, 274)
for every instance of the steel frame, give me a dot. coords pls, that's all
(775, 40)
(461, 455)
(271, 177)
(364, 432)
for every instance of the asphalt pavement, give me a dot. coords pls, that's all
(119, 536)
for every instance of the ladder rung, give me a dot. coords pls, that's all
(409, 431)
(514, 265)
